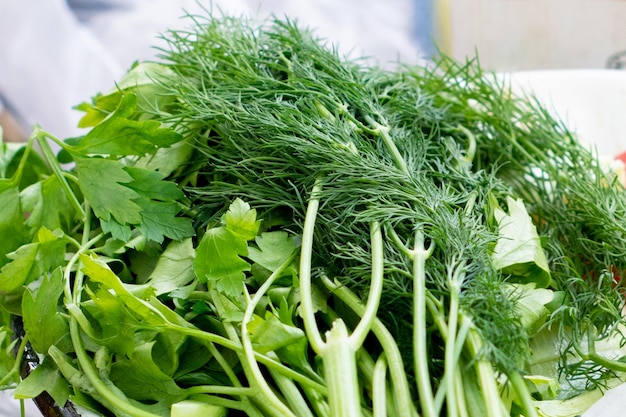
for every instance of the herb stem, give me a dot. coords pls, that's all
(273, 403)
(402, 394)
(379, 392)
(521, 390)
(420, 351)
(56, 169)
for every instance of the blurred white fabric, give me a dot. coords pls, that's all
(55, 54)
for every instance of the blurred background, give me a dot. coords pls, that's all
(55, 54)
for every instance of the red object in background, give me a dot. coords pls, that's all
(621, 157)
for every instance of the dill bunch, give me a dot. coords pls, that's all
(276, 110)
(578, 206)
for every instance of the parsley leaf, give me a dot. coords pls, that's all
(218, 259)
(117, 135)
(273, 249)
(219, 254)
(11, 220)
(32, 260)
(102, 183)
(42, 322)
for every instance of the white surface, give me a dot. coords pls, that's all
(591, 102)
(613, 404)
(10, 407)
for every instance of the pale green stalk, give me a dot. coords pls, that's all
(338, 352)
(486, 376)
(264, 392)
(450, 361)
(54, 165)
(420, 351)
(379, 393)
(401, 392)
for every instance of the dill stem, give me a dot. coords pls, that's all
(450, 362)
(383, 132)
(306, 254)
(420, 351)
(486, 375)
(255, 375)
(402, 395)
(379, 393)
(461, 404)
(521, 390)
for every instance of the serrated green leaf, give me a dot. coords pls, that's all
(150, 184)
(241, 219)
(117, 135)
(121, 232)
(218, 259)
(273, 249)
(46, 377)
(103, 183)
(159, 220)
(174, 269)
(47, 205)
(100, 108)
(518, 251)
(43, 323)
(31, 261)
(141, 379)
(12, 231)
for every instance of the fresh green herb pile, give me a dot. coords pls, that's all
(255, 226)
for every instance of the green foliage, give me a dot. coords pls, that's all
(157, 264)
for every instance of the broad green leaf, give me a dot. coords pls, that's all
(104, 185)
(518, 251)
(117, 135)
(159, 220)
(98, 271)
(99, 109)
(43, 323)
(141, 379)
(114, 324)
(121, 232)
(7, 355)
(273, 249)
(139, 80)
(241, 219)
(12, 231)
(45, 377)
(32, 260)
(16, 273)
(218, 259)
(530, 303)
(168, 160)
(150, 184)
(174, 269)
(269, 334)
(47, 205)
